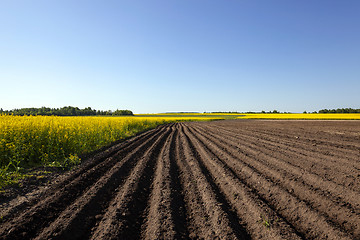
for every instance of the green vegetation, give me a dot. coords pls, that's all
(123, 113)
(266, 222)
(15, 177)
(65, 111)
(340, 110)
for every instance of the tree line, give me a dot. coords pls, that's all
(65, 111)
(340, 110)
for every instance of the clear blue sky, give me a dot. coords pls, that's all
(180, 55)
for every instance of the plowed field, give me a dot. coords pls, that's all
(240, 179)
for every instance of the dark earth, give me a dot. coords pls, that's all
(235, 179)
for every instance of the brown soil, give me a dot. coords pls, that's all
(238, 179)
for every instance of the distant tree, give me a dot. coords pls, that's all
(123, 113)
(304, 112)
(64, 111)
(340, 110)
(275, 111)
(323, 111)
(88, 112)
(108, 112)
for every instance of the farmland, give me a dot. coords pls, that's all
(235, 179)
(300, 116)
(313, 116)
(30, 141)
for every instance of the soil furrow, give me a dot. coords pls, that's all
(159, 222)
(337, 215)
(234, 222)
(336, 191)
(320, 164)
(249, 206)
(208, 214)
(78, 218)
(342, 175)
(335, 132)
(328, 140)
(295, 173)
(26, 225)
(99, 159)
(125, 213)
(309, 140)
(309, 149)
(178, 206)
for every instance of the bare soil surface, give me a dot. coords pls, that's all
(236, 179)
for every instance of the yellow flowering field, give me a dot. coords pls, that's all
(27, 141)
(325, 116)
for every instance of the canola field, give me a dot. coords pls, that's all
(308, 116)
(28, 141)
(322, 116)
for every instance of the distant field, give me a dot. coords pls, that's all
(213, 116)
(323, 116)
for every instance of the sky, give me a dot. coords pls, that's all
(180, 55)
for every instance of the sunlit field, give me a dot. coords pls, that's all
(52, 141)
(324, 116)
(212, 116)
(30, 141)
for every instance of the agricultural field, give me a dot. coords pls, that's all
(203, 116)
(306, 116)
(300, 116)
(31, 141)
(234, 179)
